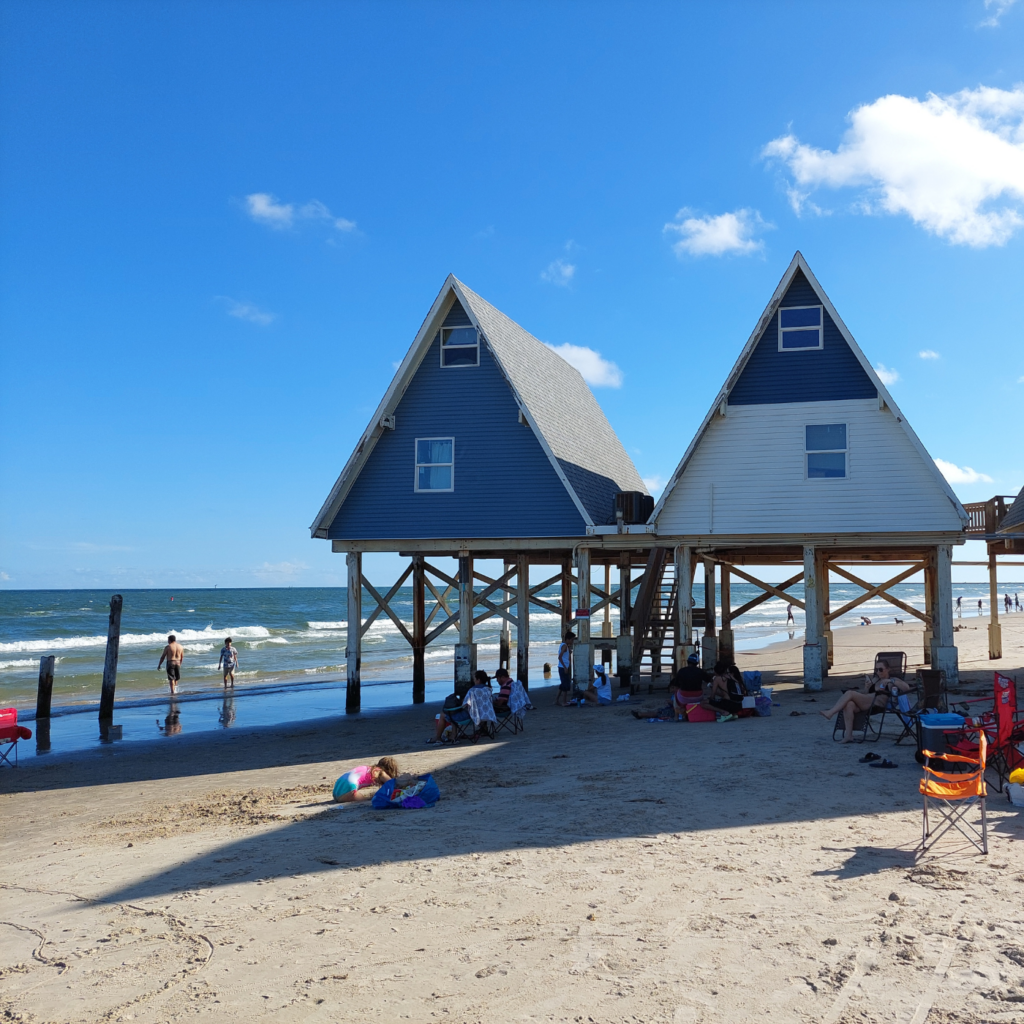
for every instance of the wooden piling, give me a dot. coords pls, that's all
(419, 631)
(583, 653)
(624, 643)
(812, 642)
(523, 620)
(566, 603)
(726, 643)
(45, 691)
(110, 662)
(465, 649)
(995, 631)
(709, 646)
(354, 632)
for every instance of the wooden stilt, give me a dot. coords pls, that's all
(709, 645)
(354, 632)
(995, 631)
(812, 643)
(824, 632)
(583, 655)
(523, 620)
(110, 662)
(624, 643)
(684, 604)
(726, 647)
(465, 649)
(945, 658)
(929, 606)
(44, 693)
(566, 603)
(419, 631)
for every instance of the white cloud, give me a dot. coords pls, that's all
(886, 375)
(597, 371)
(655, 484)
(726, 234)
(1020, 380)
(265, 209)
(954, 164)
(559, 272)
(998, 9)
(4, 577)
(928, 353)
(247, 311)
(961, 475)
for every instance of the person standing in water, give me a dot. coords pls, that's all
(789, 615)
(174, 654)
(228, 660)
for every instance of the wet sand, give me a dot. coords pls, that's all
(593, 868)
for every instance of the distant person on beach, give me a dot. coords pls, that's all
(1016, 602)
(865, 621)
(504, 681)
(174, 655)
(600, 689)
(547, 670)
(878, 690)
(690, 678)
(789, 615)
(979, 606)
(356, 785)
(959, 608)
(229, 661)
(1006, 603)
(565, 668)
(725, 697)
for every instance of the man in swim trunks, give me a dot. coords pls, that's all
(229, 660)
(174, 653)
(361, 783)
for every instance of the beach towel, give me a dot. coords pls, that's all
(423, 791)
(480, 705)
(517, 699)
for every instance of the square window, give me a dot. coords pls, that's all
(435, 464)
(825, 445)
(460, 346)
(800, 328)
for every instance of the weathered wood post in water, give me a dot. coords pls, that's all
(43, 697)
(353, 631)
(110, 662)
(45, 691)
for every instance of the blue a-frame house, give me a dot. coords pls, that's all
(487, 444)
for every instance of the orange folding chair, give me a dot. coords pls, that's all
(953, 796)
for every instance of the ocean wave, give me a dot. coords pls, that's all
(23, 663)
(343, 624)
(61, 643)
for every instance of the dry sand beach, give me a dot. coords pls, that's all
(592, 869)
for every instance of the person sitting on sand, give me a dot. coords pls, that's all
(600, 689)
(725, 696)
(877, 692)
(504, 681)
(362, 782)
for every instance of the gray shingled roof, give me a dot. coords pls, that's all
(564, 410)
(1014, 519)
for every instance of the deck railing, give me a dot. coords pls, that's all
(985, 516)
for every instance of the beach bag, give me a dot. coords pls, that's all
(421, 792)
(752, 680)
(763, 705)
(750, 701)
(695, 713)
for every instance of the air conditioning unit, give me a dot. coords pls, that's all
(633, 507)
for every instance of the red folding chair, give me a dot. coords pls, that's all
(10, 733)
(1003, 729)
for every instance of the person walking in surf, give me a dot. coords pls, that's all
(228, 660)
(174, 654)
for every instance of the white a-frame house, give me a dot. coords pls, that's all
(805, 458)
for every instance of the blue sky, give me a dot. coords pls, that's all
(223, 223)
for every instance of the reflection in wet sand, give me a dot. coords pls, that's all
(172, 723)
(227, 713)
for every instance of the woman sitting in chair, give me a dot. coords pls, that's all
(878, 691)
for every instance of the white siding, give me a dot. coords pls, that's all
(747, 477)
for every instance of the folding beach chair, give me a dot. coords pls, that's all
(951, 797)
(931, 696)
(1003, 727)
(510, 716)
(479, 705)
(897, 662)
(10, 733)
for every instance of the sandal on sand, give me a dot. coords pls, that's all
(432, 740)
(883, 764)
(869, 756)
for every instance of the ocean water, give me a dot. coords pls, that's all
(296, 636)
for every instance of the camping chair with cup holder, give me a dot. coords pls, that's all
(930, 690)
(951, 796)
(10, 733)
(511, 715)
(460, 724)
(1003, 728)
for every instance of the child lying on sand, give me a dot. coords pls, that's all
(362, 782)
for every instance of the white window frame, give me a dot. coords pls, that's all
(417, 465)
(845, 452)
(452, 348)
(821, 329)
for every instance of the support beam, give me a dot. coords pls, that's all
(606, 626)
(566, 603)
(583, 655)
(879, 589)
(419, 631)
(824, 633)
(523, 620)
(624, 643)
(929, 606)
(944, 654)
(709, 645)
(684, 604)
(995, 631)
(465, 649)
(726, 644)
(768, 594)
(812, 642)
(354, 632)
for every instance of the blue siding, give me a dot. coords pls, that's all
(504, 484)
(457, 317)
(772, 377)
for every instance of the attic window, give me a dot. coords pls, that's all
(825, 444)
(435, 464)
(460, 346)
(800, 328)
